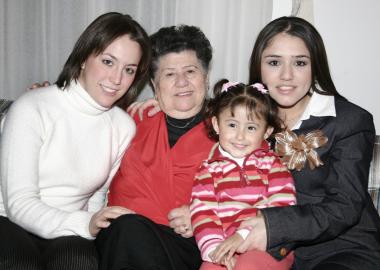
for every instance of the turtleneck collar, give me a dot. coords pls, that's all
(81, 100)
(178, 127)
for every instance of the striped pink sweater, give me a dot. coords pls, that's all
(224, 194)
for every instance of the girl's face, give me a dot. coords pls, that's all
(107, 76)
(286, 70)
(238, 135)
(180, 84)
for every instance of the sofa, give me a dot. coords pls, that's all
(374, 175)
(4, 105)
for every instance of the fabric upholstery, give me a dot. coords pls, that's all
(4, 106)
(374, 175)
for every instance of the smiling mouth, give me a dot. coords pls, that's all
(285, 89)
(109, 90)
(184, 94)
(239, 146)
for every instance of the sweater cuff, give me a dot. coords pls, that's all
(275, 247)
(79, 223)
(208, 250)
(243, 233)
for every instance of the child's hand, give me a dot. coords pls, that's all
(229, 263)
(227, 249)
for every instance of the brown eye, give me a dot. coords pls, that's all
(273, 63)
(107, 62)
(130, 71)
(169, 74)
(301, 63)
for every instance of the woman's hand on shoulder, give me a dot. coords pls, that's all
(39, 85)
(180, 221)
(101, 219)
(141, 106)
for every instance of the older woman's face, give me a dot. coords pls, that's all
(180, 84)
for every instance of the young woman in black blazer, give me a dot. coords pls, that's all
(334, 224)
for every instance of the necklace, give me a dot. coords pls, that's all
(182, 127)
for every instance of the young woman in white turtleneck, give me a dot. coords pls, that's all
(61, 146)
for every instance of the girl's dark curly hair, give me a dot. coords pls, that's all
(258, 105)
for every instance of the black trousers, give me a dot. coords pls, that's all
(135, 242)
(20, 250)
(347, 260)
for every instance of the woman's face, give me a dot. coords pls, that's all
(180, 84)
(286, 70)
(107, 76)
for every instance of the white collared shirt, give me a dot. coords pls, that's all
(319, 106)
(239, 161)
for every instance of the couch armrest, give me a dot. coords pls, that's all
(374, 175)
(4, 106)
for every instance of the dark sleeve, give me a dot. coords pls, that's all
(344, 188)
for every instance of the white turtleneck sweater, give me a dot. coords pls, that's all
(59, 152)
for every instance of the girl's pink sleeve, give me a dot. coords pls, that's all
(207, 227)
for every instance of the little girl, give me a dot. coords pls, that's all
(241, 176)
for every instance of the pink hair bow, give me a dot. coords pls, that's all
(260, 88)
(228, 85)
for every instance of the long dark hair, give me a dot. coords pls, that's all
(302, 29)
(95, 39)
(258, 105)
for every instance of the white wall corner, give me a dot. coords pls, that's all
(299, 8)
(306, 10)
(281, 8)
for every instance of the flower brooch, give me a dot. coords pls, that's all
(295, 150)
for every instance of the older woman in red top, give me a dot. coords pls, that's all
(156, 174)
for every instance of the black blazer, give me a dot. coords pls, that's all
(334, 210)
